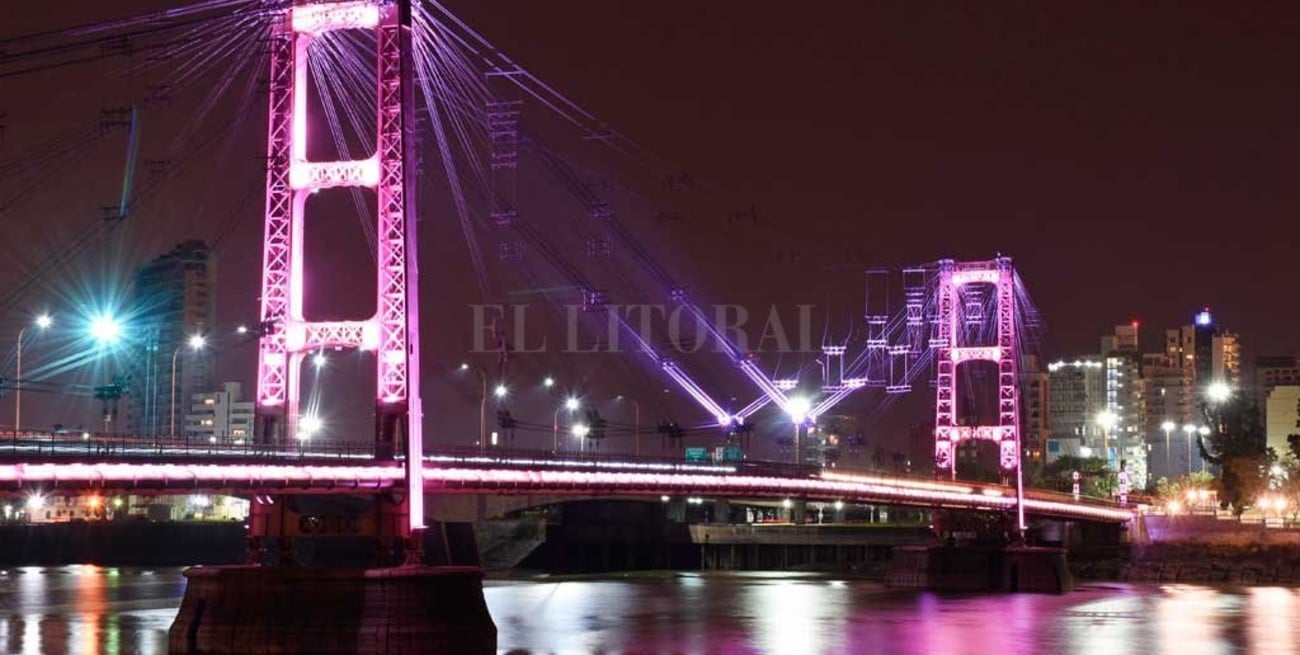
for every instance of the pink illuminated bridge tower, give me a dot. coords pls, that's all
(950, 352)
(392, 332)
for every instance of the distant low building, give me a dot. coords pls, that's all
(1283, 416)
(220, 415)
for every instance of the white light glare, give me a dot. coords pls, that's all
(308, 426)
(798, 408)
(105, 329)
(1219, 392)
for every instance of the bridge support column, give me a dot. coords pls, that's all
(721, 511)
(797, 513)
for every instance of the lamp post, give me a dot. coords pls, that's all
(482, 407)
(571, 404)
(195, 343)
(1167, 427)
(1189, 430)
(798, 408)
(43, 321)
(1204, 431)
(580, 431)
(636, 438)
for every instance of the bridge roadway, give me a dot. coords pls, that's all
(73, 465)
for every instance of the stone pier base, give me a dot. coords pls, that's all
(273, 610)
(950, 568)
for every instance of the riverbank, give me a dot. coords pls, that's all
(1197, 563)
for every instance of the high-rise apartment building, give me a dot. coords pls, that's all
(1076, 396)
(172, 301)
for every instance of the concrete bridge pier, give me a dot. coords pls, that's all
(286, 609)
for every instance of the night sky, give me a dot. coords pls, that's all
(1136, 162)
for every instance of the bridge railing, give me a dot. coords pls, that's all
(46, 446)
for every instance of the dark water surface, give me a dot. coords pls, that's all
(87, 610)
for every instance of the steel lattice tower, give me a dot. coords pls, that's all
(392, 332)
(950, 353)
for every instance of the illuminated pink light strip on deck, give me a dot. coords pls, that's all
(232, 475)
(343, 479)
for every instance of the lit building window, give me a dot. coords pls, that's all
(209, 401)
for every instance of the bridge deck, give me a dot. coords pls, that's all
(72, 466)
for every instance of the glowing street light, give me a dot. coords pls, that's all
(571, 404)
(548, 382)
(500, 391)
(464, 366)
(798, 408)
(319, 360)
(42, 322)
(1219, 392)
(105, 329)
(309, 425)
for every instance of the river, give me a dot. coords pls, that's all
(88, 610)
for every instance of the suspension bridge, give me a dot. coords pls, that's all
(375, 98)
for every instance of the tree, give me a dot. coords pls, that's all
(1176, 490)
(1237, 447)
(1096, 479)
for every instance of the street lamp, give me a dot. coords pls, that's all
(580, 431)
(196, 343)
(308, 426)
(42, 322)
(1218, 392)
(570, 404)
(482, 406)
(1167, 427)
(798, 408)
(548, 382)
(105, 329)
(500, 391)
(1189, 430)
(636, 424)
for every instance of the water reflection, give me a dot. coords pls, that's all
(88, 610)
(105, 611)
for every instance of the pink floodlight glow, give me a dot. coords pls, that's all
(322, 18)
(329, 174)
